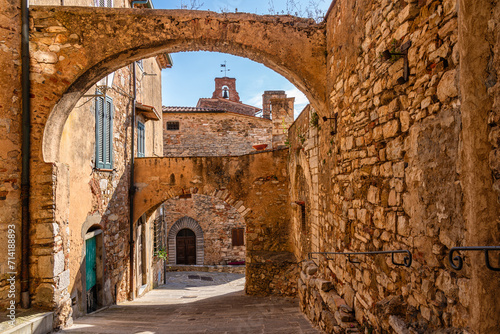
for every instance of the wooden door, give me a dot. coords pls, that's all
(91, 274)
(186, 247)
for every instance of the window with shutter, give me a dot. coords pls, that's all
(238, 236)
(104, 3)
(104, 132)
(141, 140)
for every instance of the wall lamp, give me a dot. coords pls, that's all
(404, 53)
(334, 125)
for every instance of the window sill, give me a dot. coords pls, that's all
(103, 170)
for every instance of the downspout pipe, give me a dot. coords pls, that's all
(132, 160)
(132, 187)
(25, 149)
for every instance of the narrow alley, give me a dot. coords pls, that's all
(198, 302)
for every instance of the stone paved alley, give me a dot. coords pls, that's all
(198, 302)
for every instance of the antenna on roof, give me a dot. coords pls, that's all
(225, 70)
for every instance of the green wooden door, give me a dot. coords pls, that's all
(91, 275)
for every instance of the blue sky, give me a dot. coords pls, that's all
(192, 75)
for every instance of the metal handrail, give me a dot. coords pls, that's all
(460, 262)
(406, 261)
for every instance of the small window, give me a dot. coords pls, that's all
(238, 236)
(141, 140)
(172, 125)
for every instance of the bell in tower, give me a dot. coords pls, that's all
(225, 88)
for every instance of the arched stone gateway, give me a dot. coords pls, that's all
(80, 52)
(73, 47)
(256, 185)
(191, 224)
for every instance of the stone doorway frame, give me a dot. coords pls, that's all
(193, 225)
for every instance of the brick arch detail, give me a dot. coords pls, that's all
(193, 225)
(146, 202)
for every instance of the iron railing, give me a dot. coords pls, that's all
(459, 261)
(406, 261)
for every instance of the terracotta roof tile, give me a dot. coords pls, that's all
(172, 109)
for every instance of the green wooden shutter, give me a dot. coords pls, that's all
(108, 129)
(104, 132)
(141, 140)
(99, 132)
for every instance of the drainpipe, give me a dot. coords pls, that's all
(132, 188)
(132, 159)
(25, 149)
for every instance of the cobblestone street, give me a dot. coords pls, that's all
(198, 302)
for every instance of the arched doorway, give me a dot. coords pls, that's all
(178, 230)
(185, 244)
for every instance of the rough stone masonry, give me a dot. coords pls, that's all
(399, 165)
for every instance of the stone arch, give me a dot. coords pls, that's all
(193, 225)
(194, 176)
(302, 190)
(141, 33)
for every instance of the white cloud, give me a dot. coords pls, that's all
(300, 100)
(255, 101)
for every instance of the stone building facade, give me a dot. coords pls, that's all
(406, 164)
(219, 126)
(93, 188)
(212, 132)
(223, 125)
(218, 223)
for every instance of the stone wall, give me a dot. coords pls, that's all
(214, 134)
(389, 170)
(303, 173)
(10, 142)
(216, 218)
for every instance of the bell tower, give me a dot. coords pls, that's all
(225, 88)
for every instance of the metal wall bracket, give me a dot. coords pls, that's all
(404, 53)
(459, 261)
(406, 261)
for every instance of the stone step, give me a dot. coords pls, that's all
(30, 322)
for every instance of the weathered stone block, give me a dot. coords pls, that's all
(64, 280)
(379, 217)
(311, 269)
(394, 149)
(401, 31)
(391, 128)
(408, 13)
(373, 195)
(447, 87)
(46, 57)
